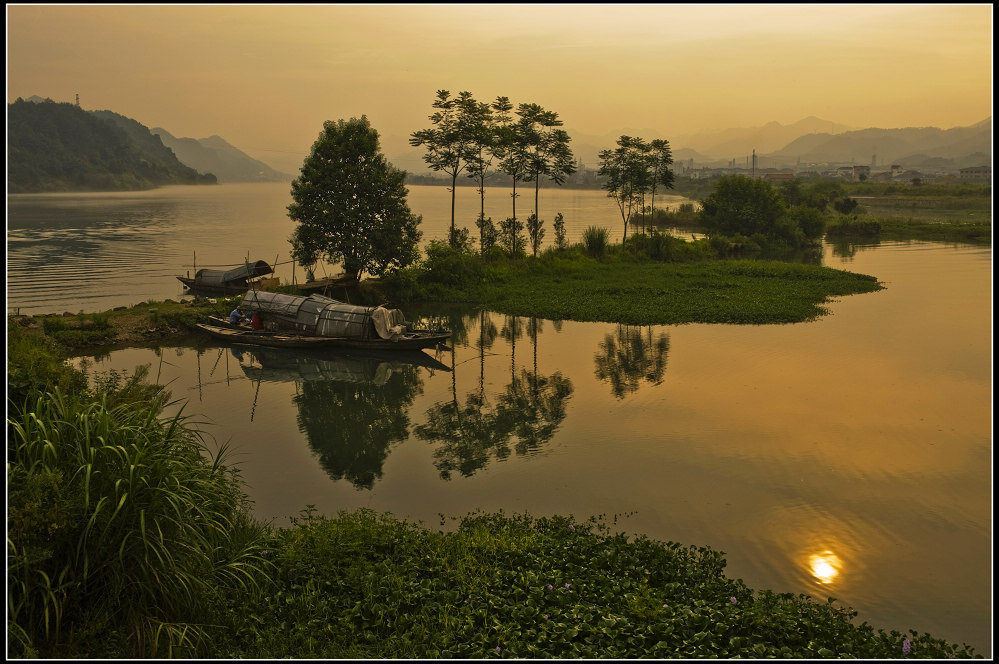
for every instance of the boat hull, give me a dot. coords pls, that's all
(412, 340)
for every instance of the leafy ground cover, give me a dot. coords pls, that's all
(571, 286)
(366, 585)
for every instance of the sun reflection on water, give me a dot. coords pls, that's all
(824, 566)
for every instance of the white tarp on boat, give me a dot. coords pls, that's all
(320, 316)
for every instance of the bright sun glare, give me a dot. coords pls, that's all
(824, 566)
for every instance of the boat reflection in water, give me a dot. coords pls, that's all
(353, 407)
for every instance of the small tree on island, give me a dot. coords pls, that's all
(456, 142)
(350, 204)
(626, 174)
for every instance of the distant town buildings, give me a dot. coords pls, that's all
(976, 173)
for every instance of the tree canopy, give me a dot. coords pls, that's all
(746, 206)
(350, 204)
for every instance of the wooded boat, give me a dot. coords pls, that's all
(320, 322)
(227, 282)
(414, 340)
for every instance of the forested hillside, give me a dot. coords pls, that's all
(61, 147)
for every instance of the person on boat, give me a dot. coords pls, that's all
(255, 321)
(236, 316)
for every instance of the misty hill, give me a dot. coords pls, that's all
(809, 141)
(959, 147)
(214, 155)
(731, 143)
(60, 147)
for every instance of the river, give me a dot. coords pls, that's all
(847, 457)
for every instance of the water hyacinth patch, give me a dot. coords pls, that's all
(613, 608)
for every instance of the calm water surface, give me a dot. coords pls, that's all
(92, 252)
(848, 457)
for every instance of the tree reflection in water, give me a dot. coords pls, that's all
(351, 410)
(525, 415)
(631, 356)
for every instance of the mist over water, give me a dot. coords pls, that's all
(847, 457)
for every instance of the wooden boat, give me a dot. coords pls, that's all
(228, 282)
(411, 340)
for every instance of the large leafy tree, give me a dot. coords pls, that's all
(453, 142)
(350, 204)
(744, 206)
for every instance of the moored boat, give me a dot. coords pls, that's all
(320, 322)
(227, 282)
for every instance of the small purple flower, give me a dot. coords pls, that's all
(264, 553)
(906, 647)
(548, 587)
(733, 600)
(546, 616)
(497, 649)
(572, 528)
(567, 586)
(665, 606)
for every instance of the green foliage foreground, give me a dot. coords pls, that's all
(364, 585)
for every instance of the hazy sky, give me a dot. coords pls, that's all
(265, 78)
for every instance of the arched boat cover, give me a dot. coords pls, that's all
(320, 316)
(238, 276)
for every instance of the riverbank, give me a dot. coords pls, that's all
(617, 289)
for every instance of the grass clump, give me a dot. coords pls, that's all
(123, 529)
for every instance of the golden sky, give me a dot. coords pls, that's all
(265, 78)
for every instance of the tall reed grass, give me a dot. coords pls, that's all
(123, 529)
(595, 241)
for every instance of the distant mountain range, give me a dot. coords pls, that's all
(806, 142)
(84, 155)
(214, 155)
(61, 147)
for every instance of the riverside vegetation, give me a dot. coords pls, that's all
(129, 536)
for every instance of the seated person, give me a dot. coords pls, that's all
(236, 317)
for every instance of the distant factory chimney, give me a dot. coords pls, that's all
(78, 100)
